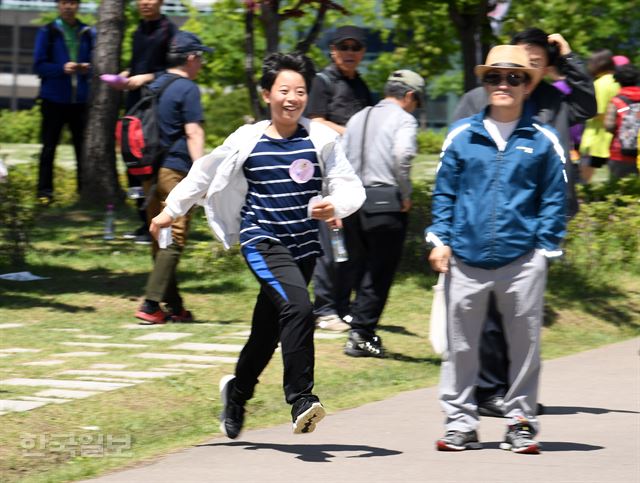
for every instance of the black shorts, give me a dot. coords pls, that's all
(593, 161)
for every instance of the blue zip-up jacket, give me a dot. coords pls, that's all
(49, 56)
(492, 207)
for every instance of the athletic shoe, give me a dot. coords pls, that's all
(153, 318)
(458, 441)
(232, 416)
(143, 239)
(492, 407)
(183, 316)
(306, 412)
(332, 322)
(519, 438)
(361, 346)
(131, 235)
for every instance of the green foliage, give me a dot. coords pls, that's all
(430, 140)
(20, 126)
(224, 113)
(605, 235)
(18, 212)
(587, 25)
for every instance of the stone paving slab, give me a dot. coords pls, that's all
(104, 345)
(93, 336)
(187, 357)
(46, 400)
(11, 326)
(201, 347)
(120, 374)
(66, 393)
(64, 384)
(164, 336)
(81, 354)
(18, 350)
(51, 362)
(11, 405)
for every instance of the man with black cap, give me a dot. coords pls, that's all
(337, 93)
(380, 142)
(180, 120)
(62, 60)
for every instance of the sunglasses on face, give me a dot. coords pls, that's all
(349, 47)
(495, 79)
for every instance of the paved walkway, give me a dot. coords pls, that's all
(591, 433)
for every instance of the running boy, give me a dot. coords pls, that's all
(263, 188)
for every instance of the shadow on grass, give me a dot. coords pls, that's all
(396, 356)
(98, 281)
(397, 329)
(314, 453)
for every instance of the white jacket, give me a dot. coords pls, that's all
(219, 176)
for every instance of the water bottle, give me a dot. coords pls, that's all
(337, 244)
(109, 223)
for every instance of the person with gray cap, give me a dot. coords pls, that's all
(337, 93)
(180, 119)
(380, 142)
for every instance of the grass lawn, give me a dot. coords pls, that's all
(171, 400)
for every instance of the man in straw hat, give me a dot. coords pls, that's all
(498, 214)
(562, 111)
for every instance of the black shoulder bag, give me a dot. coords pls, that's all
(382, 210)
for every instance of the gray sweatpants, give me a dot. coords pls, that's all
(518, 289)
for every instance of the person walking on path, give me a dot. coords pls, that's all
(268, 186)
(338, 92)
(180, 119)
(561, 111)
(498, 214)
(380, 142)
(62, 60)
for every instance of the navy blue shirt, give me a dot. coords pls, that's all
(178, 105)
(276, 205)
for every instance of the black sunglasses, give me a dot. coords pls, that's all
(495, 79)
(349, 47)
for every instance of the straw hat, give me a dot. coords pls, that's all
(510, 57)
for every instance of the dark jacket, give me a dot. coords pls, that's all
(551, 107)
(492, 207)
(49, 56)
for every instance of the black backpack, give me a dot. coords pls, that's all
(138, 134)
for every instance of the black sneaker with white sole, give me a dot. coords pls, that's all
(232, 417)
(306, 412)
(458, 441)
(359, 345)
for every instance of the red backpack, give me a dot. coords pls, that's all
(629, 115)
(138, 133)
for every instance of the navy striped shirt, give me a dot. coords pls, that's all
(276, 205)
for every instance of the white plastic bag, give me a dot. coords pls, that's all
(438, 324)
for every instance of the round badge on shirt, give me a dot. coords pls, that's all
(301, 170)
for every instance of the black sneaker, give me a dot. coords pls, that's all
(232, 417)
(143, 239)
(306, 413)
(361, 346)
(519, 438)
(458, 441)
(493, 407)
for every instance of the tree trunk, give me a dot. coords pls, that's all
(249, 63)
(472, 26)
(270, 20)
(99, 175)
(305, 44)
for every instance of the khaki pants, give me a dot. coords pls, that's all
(162, 284)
